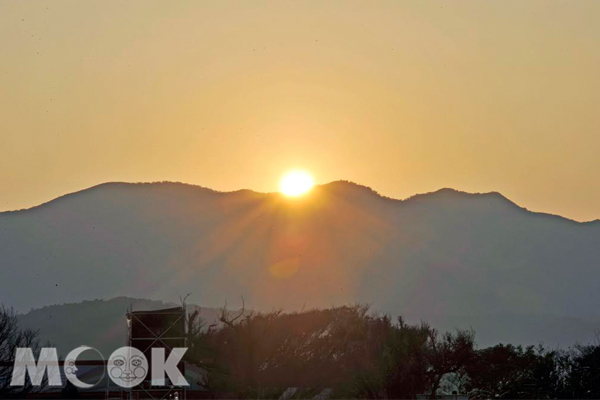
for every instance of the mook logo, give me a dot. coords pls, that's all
(126, 366)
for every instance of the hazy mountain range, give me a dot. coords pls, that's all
(453, 258)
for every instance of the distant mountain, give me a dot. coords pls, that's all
(432, 256)
(97, 323)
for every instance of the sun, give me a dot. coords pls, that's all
(296, 183)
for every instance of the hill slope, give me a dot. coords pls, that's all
(440, 254)
(97, 323)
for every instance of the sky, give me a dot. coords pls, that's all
(404, 97)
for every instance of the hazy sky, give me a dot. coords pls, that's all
(405, 97)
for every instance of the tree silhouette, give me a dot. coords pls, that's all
(12, 337)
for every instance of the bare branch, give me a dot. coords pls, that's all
(230, 321)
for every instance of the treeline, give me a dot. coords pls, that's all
(12, 336)
(345, 352)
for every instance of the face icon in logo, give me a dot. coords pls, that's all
(71, 370)
(127, 367)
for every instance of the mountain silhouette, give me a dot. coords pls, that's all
(446, 256)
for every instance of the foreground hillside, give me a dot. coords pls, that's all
(444, 255)
(102, 325)
(98, 323)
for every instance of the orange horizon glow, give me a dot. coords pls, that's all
(404, 97)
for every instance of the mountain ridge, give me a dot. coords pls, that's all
(344, 184)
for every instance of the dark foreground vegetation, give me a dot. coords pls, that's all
(346, 353)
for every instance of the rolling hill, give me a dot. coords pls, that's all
(100, 324)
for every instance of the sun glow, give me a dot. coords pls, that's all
(296, 183)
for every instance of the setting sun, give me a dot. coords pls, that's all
(296, 183)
